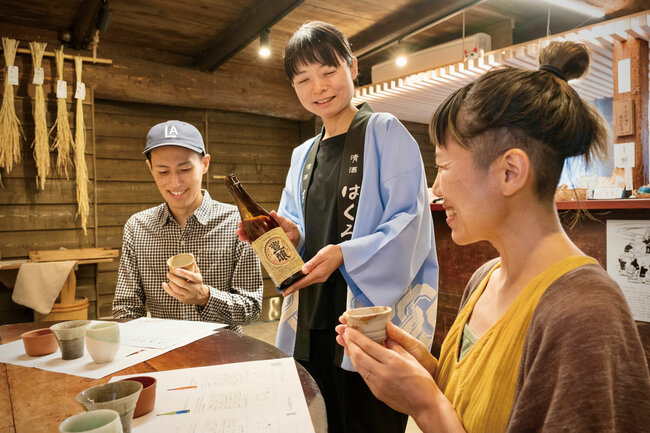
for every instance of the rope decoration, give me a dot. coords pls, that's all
(83, 208)
(41, 136)
(63, 142)
(10, 128)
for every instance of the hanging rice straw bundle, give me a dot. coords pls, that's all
(80, 150)
(10, 129)
(63, 140)
(41, 137)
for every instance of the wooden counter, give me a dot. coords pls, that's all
(458, 263)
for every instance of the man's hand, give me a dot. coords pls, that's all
(187, 287)
(319, 268)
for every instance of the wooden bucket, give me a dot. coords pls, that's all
(77, 310)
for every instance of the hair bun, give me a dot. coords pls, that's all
(571, 58)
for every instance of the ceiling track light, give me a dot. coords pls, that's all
(265, 46)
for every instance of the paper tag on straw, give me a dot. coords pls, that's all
(12, 75)
(81, 91)
(38, 76)
(61, 89)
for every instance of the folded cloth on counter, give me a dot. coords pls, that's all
(38, 284)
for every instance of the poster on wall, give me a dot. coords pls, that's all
(628, 262)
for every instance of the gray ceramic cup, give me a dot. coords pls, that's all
(96, 421)
(120, 396)
(71, 337)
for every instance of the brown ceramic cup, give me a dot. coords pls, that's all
(39, 342)
(147, 398)
(185, 261)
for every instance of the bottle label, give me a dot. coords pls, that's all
(278, 255)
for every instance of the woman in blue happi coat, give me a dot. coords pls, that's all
(355, 205)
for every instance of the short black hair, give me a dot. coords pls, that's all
(316, 42)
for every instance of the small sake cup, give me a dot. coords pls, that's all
(370, 321)
(96, 421)
(103, 341)
(185, 261)
(39, 342)
(70, 336)
(147, 399)
(120, 396)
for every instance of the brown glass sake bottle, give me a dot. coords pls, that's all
(271, 244)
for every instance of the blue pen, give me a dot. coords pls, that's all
(175, 412)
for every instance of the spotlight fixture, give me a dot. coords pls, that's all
(265, 46)
(579, 7)
(400, 60)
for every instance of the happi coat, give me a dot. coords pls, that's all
(390, 259)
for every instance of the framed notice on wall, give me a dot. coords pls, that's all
(623, 117)
(628, 263)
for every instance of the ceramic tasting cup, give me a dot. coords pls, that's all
(70, 336)
(147, 398)
(39, 342)
(370, 321)
(120, 396)
(185, 261)
(96, 421)
(103, 341)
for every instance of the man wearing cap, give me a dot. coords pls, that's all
(225, 285)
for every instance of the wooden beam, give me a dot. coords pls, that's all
(242, 32)
(636, 51)
(405, 23)
(241, 88)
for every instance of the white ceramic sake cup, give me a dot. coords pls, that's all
(103, 341)
(96, 421)
(370, 321)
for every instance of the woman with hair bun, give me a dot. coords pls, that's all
(544, 339)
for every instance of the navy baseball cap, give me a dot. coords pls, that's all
(175, 133)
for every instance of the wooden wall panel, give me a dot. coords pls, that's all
(256, 148)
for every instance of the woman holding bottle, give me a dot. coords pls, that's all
(355, 205)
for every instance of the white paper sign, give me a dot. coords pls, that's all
(61, 89)
(624, 84)
(624, 155)
(38, 76)
(12, 75)
(628, 262)
(81, 91)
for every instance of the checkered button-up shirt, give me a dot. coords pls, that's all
(228, 266)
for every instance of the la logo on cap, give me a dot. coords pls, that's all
(170, 132)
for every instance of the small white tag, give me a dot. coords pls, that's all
(81, 91)
(624, 155)
(38, 76)
(624, 82)
(61, 89)
(12, 75)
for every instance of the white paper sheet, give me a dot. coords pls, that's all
(628, 263)
(127, 355)
(164, 333)
(246, 397)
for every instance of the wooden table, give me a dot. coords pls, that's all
(33, 400)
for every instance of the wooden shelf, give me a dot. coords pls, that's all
(635, 203)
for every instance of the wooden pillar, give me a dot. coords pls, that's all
(637, 51)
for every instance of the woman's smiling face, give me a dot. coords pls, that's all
(469, 202)
(325, 91)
